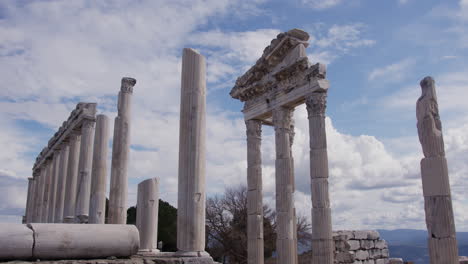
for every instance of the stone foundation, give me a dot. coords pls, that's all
(361, 247)
(132, 260)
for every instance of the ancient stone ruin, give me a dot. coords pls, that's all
(65, 210)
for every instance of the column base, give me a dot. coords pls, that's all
(148, 252)
(69, 220)
(196, 254)
(81, 219)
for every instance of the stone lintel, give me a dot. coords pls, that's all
(82, 112)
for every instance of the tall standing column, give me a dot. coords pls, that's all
(435, 180)
(29, 199)
(38, 192)
(53, 186)
(72, 178)
(285, 212)
(147, 215)
(62, 181)
(191, 182)
(120, 155)
(84, 172)
(255, 243)
(97, 203)
(322, 239)
(45, 196)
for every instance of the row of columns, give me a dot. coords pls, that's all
(322, 242)
(70, 185)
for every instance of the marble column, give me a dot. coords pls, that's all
(191, 181)
(45, 195)
(285, 212)
(84, 172)
(53, 186)
(442, 242)
(97, 203)
(29, 200)
(322, 239)
(147, 215)
(37, 201)
(62, 182)
(255, 243)
(72, 177)
(120, 154)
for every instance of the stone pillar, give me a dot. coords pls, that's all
(285, 212)
(62, 181)
(40, 194)
(72, 177)
(97, 203)
(191, 182)
(53, 186)
(255, 243)
(322, 238)
(120, 155)
(37, 201)
(29, 200)
(435, 180)
(84, 172)
(147, 215)
(45, 197)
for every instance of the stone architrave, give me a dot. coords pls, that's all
(191, 181)
(72, 178)
(62, 181)
(84, 172)
(255, 242)
(120, 154)
(29, 200)
(53, 186)
(435, 180)
(45, 196)
(322, 237)
(147, 215)
(97, 202)
(285, 213)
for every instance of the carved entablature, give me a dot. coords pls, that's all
(82, 112)
(283, 76)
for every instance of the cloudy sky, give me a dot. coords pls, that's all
(56, 53)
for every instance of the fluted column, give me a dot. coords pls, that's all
(29, 200)
(442, 242)
(53, 186)
(37, 201)
(255, 242)
(62, 182)
(45, 195)
(97, 203)
(285, 212)
(147, 215)
(72, 177)
(191, 181)
(322, 239)
(84, 171)
(120, 154)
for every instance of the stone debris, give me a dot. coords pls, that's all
(361, 247)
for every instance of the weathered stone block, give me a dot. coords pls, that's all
(367, 244)
(380, 244)
(362, 255)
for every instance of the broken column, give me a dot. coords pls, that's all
(62, 181)
(120, 154)
(97, 205)
(285, 212)
(322, 237)
(255, 243)
(191, 181)
(84, 171)
(72, 177)
(435, 180)
(147, 215)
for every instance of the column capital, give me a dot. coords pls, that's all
(127, 85)
(316, 104)
(254, 128)
(282, 117)
(88, 123)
